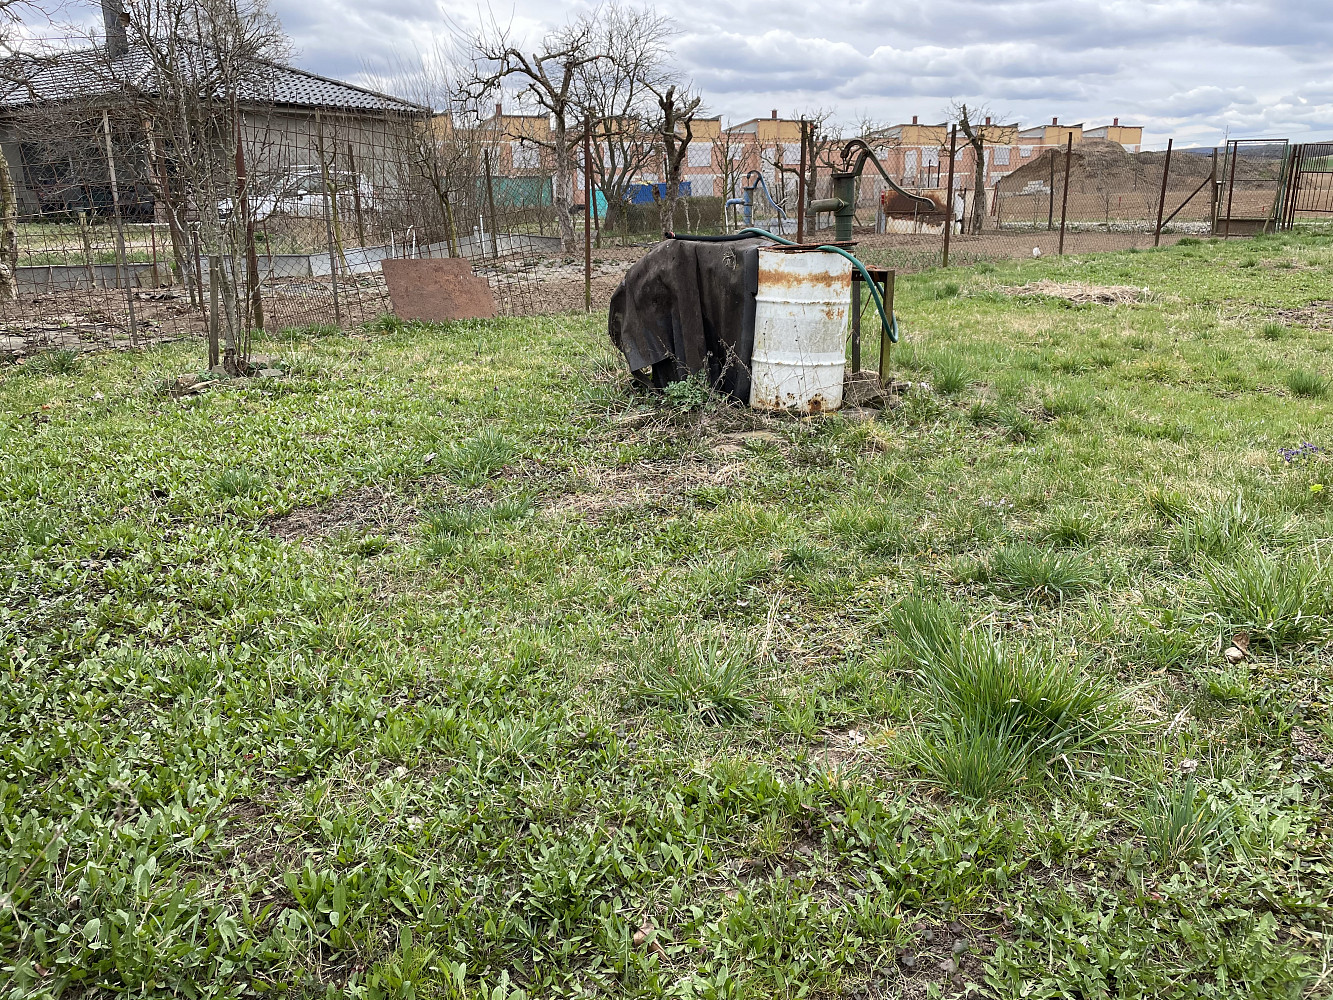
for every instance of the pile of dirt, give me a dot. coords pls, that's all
(1080, 292)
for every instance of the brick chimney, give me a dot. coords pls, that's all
(116, 22)
(914, 119)
(1115, 121)
(1055, 121)
(773, 114)
(499, 109)
(988, 119)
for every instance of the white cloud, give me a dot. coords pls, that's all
(1188, 68)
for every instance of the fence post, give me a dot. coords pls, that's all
(1064, 198)
(1050, 189)
(800, 192)
(1161, 201)
(490, 201)
(122, 262)
(1234, 150)
(1212, 197)
(587, 218)
(948, 195)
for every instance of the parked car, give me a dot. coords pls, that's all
(300, 192)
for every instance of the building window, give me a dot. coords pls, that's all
(909, 163)
(700, 155)
(791, 152)
(1001, 156)
(1025, 151)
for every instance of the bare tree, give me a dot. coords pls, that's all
(175, 75)
(616, 94)
(14, 74)
(445, 149)
(548, 77)
(676, 129)
(976, 137)
(728, 155)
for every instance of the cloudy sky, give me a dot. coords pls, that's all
(1193, 69)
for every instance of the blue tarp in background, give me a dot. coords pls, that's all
(642, 194)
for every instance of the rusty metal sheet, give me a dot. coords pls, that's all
(437, 290)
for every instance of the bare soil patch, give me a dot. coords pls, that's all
(1316, 315)
(1079, 292)
(370, 508)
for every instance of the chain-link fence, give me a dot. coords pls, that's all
(284, 214)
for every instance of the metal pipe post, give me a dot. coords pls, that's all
(948, 194)
(885, 345)
(1231, 183)
(1050, 190)
(122, 262)
(1161, 201)
(1064, 197)
(856, 321)
(1212, 197)
(800, 191)
(587, 220)
(490, 202)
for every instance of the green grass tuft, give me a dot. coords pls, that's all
(1280, 600)
(950, 375)
(700, 678)
(1306, 383)
(996, 708)
(1039, 572)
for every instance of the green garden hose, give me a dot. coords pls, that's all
(889, 321)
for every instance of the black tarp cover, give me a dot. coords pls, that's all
(688, 307)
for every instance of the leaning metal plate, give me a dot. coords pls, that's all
(436, 290)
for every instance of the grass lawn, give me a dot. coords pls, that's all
(447, 666)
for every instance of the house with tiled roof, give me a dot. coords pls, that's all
(51, 111)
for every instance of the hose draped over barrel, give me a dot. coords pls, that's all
(888, 320)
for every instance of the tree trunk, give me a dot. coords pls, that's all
(666, 208)
(9, 247)
(560, 196)
(978, 189)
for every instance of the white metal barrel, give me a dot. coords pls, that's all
(800, 323)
